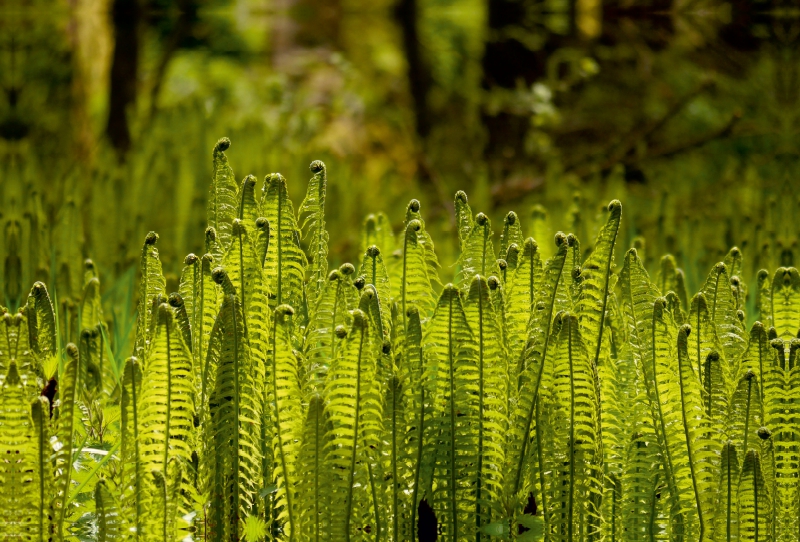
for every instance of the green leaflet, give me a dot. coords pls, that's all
(151, 284)
(394, 464)
(235, 415)
(424, 239)
(449, 346)
(726, 519)
(285, 263)
(755, 510)
(492, 415)
(20, 508)
(477, 257)
(41, 473)
(212, 244)
(223, 200)
(312, 216)
(284, 400)
(354, 413)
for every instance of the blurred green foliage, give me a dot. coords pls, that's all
(685, 110)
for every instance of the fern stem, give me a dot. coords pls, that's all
(480, 411)
(395, 505)
(571, 494)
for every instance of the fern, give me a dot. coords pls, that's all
(284, 399)
(285, 263)
(492, 384)
(352, 418)
(234, 419)
(449, 344)
(222, 196)
(312, 214)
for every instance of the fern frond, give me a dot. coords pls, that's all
(512, 233)
(41, 321)
(728, 321)
(726, 519)
(764, 298)
(109, 519)
(331, 311)
(285, 264)
(374, 272)
(286, 415)
(570, 437)
(755, 510)
(20, 509)
(523, 290)
(596, 272)
(314, 488)
(424, 239)
(416, 288)
(477, 257)
(151, 284)
(533, 357)
(785, 297)
(492, 390)
(235, 416)
(312, 220)
(70, 386)
(702, 451)
(132, 472)
(449, 345)
(223, 196)
(248, 209)
(347, 391)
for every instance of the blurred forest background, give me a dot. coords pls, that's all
(686, 110)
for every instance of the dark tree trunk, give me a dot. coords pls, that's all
(126, 16)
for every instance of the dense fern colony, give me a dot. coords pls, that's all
(273, 398)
